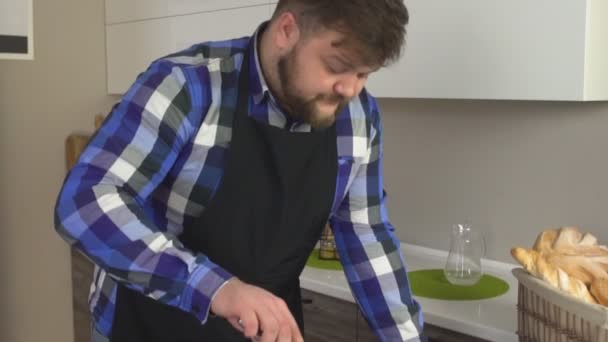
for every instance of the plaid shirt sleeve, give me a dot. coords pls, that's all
(370, 252)
(100, 212)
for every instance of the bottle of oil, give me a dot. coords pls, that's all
(327, 249)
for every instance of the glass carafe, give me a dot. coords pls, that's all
(467, 247)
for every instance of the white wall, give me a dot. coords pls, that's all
(41, 102)
(514, 168)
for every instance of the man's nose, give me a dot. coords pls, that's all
(349, 86)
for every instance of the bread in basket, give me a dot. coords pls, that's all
(570, 261)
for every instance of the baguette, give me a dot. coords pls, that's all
(577, 254)
(537, 264)
(570, 261)
(569, 241)
(599, 290)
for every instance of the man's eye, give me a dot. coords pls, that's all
(363, 76)
(334, 70)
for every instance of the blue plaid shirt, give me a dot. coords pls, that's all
(157, 161)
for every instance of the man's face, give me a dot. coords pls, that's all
(319, 77)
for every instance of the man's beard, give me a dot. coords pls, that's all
(300, 108)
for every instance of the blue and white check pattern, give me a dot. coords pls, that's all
(157, 161)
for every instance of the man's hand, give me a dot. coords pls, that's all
(251, 309)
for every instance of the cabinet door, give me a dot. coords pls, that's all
(121, 11)
(438, 334)
(328, 319)
(364, 333)
(431, 332)
(490, 49)
(130, 47)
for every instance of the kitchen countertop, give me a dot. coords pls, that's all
(492, 319)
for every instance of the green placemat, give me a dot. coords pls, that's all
(314, 261)
(433, 284)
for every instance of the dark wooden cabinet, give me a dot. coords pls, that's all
(82, 277)
(439, 334)
(364, 333)
(329, 319)
(82, 268)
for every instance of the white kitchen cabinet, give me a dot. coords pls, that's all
(121, 11)
(470, 49)
(131, 46)
(498, 49)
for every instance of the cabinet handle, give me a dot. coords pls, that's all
(306, 300)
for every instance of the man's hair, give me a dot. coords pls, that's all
(376, 28)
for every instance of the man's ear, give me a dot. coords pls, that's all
(287, 32)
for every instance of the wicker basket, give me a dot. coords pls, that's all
(546, 314)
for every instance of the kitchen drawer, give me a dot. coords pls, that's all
(328, 319)
(432, 332)
(438, 334)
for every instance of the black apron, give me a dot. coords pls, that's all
(273, 201)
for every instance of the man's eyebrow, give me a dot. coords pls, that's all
(350, 65)
(340, 44)
(342, 58)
